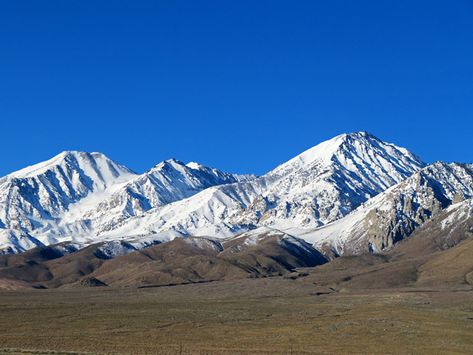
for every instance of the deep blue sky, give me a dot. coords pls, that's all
(240, 85)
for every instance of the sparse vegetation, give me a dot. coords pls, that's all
(260, 316)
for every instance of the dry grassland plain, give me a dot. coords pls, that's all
(253, 316)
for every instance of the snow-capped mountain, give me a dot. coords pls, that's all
(329, 180)
(317, 187)
(167, 182)
(394, 214)
(44, 191)
(36, 196)
(351, 194)
(74, 193)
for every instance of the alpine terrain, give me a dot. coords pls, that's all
(81, 218)
(355, 245)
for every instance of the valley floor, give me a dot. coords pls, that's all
(257, 316)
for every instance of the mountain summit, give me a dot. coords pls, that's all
(87, 198)
(67, 196)
(317, 187)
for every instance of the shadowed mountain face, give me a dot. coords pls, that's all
(183, 260)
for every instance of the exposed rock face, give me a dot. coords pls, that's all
(395, 214)
(433, 189)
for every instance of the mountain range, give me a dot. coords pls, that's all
(350, 195)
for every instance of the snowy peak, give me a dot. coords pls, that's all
(96, 164)
(167, 182)
(34, 197)
(348, 150)
(331, 179)
(84, 194)
(325, 151)
(195, 172)
(88, 198)
(387, 157)
(305, 193)
(45, 190)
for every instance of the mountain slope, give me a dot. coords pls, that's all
(329, 180)
(34, 197)
(182, 260)
(317, 187)
(77, 195)
(167, 182)
(394, 214)
(452, 234)
(438, 255)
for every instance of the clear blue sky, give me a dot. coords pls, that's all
(240, 85)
